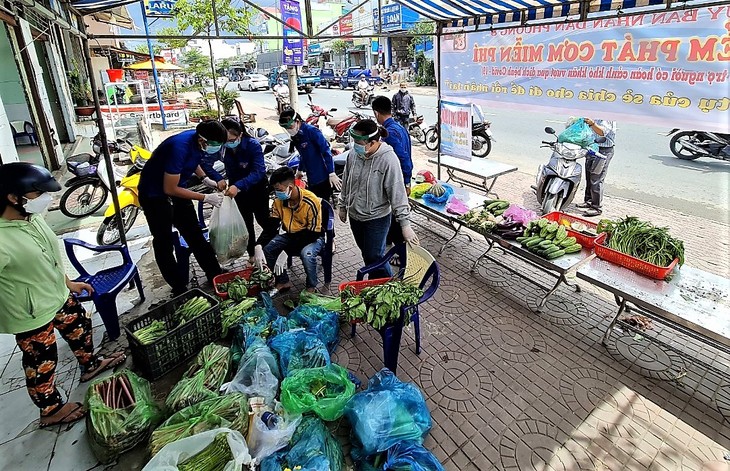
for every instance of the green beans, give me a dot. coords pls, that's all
(642, 240)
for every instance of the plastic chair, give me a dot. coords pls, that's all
(245, 118)
(326, 254)
(107, 283)
(421, 269)
(27, 131)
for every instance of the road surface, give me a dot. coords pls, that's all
(643, 168)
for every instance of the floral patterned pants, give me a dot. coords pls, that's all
(40, 353)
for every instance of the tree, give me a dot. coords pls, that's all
(196, 64)
(143, 49)
(338, 46)
(423, 31)
(196, 17)
(222, 66)
(172, 43)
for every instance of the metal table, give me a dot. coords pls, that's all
(487, 170)
(694, 302)
(558, 267)
(438, 214)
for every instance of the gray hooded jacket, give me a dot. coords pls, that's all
(372, 186)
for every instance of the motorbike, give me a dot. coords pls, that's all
(282, 102)
(362, 98)
(558, 181)
(415, 130)
(317, 112)
(481, 138)
(86, 192)
(341, 126)
(691, 145)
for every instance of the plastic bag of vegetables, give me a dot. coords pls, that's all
(298, 349)
(228, 234)
(579, 133)
(438, 193)
(417, 191)
(202, 380)
(256, 323)
(229, 411)
(312, 447)
(324, 391)
(121, 414)
(316, 319)
(387, 412)
(409, 456)
(266, 439)
(258, 374)
(330, 303)
(220, 449)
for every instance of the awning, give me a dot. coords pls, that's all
(87, 7)
(147, 65)
(116, 16)
(458, 13)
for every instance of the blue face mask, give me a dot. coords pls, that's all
(233, 145)
(359, 149)
(282, 195)
(210, 150)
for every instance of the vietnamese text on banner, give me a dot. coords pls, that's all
(456, 129)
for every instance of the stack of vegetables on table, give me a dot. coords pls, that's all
(484, 219)
(642, 240)
(548, 239)
(380, 305)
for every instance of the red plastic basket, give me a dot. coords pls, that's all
(226, 277)
(632, 263)
(583, 239)
(358, 286)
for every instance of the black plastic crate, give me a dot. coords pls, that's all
(181, 343)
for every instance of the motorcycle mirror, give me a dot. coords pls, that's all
(549, 130)
(333, 110)
(600, 139)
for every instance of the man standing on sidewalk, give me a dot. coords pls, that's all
(400, 141)
(597, 167)
(403, 105)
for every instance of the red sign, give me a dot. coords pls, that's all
(140, 74)
(346, 25)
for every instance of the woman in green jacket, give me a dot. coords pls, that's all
(34, 292)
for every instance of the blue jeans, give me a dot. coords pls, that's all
(370, 238)
(292, 245)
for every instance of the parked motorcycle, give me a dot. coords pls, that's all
(282, 102)
(341, 126)
(415, 130)
(691, 145)
(363, 98)
(558, 181)
(481, 138)
(317, 112)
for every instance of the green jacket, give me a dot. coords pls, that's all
(32, 279)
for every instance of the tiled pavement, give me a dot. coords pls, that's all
(507, 388)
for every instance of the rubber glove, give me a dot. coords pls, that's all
(210, 183)
(335, 181)
(258, 256)
(410, 236)
(214, 199)
(280, 267)
(343, 214)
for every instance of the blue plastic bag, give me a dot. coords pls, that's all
(312, 447)
(318, 320)
(443, 199)
(578, 133)
(299, 349)
(256, 323)
(387, 412)
(409, 456)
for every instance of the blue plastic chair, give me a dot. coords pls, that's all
(328, 214)
(107, 283)
(419, 267)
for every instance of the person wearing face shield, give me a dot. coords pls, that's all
(316, 166)
(372, 190)
(36, 296)
(403, 105)
(167, 203)
(299, 213)
(246, 172)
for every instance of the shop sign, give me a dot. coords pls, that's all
(158, 8)
(291, 15)
(456, 129)
(346, 25)
(174, 114)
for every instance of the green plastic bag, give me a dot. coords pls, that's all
(324, 391)
(330, 303)
(229, 411)
(202, 380)
(112, 431)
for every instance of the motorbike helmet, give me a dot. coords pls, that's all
(19, 178)
(425, 176)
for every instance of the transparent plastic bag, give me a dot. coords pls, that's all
(519, 214)
(312, 447)
(387, 412)
(178, 452)
(324, 391)
(298, 349)
(258, 374)
(264, 441)
(316, 319)
(228, 234)
(409, 456)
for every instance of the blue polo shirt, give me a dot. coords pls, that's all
(245, 166)
(315, 154)
(399, 139)
(177, 155)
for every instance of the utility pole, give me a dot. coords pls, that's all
(293, 88)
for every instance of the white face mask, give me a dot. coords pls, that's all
(292, 132)
(39, 204)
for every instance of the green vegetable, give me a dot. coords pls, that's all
(192, 309)
(557, 254)
(233, 314)
(575, 248)
(568, 241)
(214, 457)
(330, 303)
(542, 223)
(262, 277)
(561, 234)
(552, 227)
(237, 288)
(380, 305)
(545, 243)
(202, 380)
(642, 240)
(151, 333)
(534, 242)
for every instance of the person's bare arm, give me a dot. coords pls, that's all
(170, 187)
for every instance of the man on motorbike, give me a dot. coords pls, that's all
(362, 88)
(403, 105)
(596, 167)
(281, 92)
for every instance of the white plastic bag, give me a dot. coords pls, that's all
(258, 374)
(264, 442)
(178, 452)
(228, 234)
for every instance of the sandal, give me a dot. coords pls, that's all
(104, 365)
(66, 419)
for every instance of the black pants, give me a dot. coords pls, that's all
(395, 234)
(254, 202)
(323, 190)
(162, 213)
(402, 119)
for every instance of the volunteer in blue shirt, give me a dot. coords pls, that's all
(316, 164)
(246, 172)
(399, 139)
(167, 203)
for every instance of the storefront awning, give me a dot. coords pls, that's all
(86, 7)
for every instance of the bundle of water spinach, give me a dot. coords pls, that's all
(642, 240)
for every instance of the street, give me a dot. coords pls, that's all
(643, 168)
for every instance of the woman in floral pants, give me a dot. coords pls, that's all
(34, 293)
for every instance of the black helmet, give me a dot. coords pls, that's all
(19, 178)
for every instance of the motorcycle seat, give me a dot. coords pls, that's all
(335, 121)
